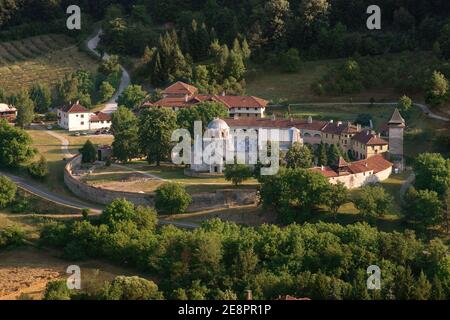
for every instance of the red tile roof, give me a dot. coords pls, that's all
(172, 102)
(342, 163)
(326, 171)
(368, 138)
(340, 128)
(100, 116)
(277, 123)
(228, 101)
(180, 88)
(242, 101)
(376, 164)
(75, 108)
(176, 97)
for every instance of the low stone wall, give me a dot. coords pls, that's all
(200, 201)
(191, 173)
(96, 194)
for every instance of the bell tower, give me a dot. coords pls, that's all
(396, 127)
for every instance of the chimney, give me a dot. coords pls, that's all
(309, 119)
(322, 168)
(291, 119)
(235, 116)
(274, 117)
(339, 123)
(331, 121)
(358, 127)
(249, 295)
(186, 98)
(223, 93)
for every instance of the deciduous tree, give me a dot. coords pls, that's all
(156, 126)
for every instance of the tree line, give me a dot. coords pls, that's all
(221, 260)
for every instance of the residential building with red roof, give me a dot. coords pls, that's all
(367, 143)
(75, 117)
(7, 112)
(182, 95)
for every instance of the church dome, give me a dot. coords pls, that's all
(218, 124)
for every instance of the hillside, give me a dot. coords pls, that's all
(43, 59)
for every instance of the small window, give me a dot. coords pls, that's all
(82, 123)
(82, 116)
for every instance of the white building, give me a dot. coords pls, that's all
(219, 133)
(75, 117)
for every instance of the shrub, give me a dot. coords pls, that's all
(172, 198)
(88, 152)
(290, 60)
(237, 173)
(7, 191)
(118, 210)
(85, 213)
(106, 91)
(11, 237)
(131, 288)
(38, 169)
(57, 290)
(20, 205)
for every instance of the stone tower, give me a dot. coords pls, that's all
(396, 127)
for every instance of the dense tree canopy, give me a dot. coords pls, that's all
(124, 125)
(156, 126)
(15, 145)
(221, 259)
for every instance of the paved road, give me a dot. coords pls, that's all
(425, 109)
(42, 192)
(125, 81)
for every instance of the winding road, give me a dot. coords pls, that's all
(125, 81)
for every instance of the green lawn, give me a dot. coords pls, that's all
(50, 148)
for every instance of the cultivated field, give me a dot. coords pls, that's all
(41, 59)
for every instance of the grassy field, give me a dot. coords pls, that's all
(343, 112)
(277, 86)
(40, 59)
(77, 142)
(120, 178)
(50, 148)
